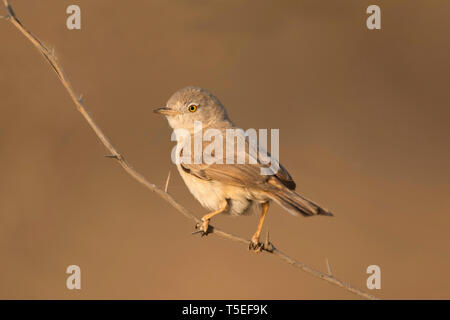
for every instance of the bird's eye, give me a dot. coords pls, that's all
(192, 108)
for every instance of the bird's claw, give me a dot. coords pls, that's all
(255, 245)
(202, 228)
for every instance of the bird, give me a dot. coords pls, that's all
(229, 188)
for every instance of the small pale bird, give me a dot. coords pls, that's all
(230, 188)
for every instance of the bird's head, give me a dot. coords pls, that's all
(192, 104)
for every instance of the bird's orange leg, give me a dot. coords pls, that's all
(255, 245)
(205, 219)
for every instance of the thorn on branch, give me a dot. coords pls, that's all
(118, 157)
(167, 182)
(330, 271)
(268, 246)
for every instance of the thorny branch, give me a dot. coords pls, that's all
(114, 153)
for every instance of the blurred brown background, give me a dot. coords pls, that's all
(364, 128)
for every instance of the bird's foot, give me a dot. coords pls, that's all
(255, 245)
(203, 228)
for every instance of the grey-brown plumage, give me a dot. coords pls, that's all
(279, 187)
(230, 188)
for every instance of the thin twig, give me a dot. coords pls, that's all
(114, 154)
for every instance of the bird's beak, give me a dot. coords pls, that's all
(166, 111)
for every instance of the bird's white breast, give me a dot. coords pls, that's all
(213, 194)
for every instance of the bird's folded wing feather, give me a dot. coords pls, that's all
(246, 175)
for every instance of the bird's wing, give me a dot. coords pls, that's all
(247, 174)
(278, 185)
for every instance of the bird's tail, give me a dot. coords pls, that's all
(295, 204)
